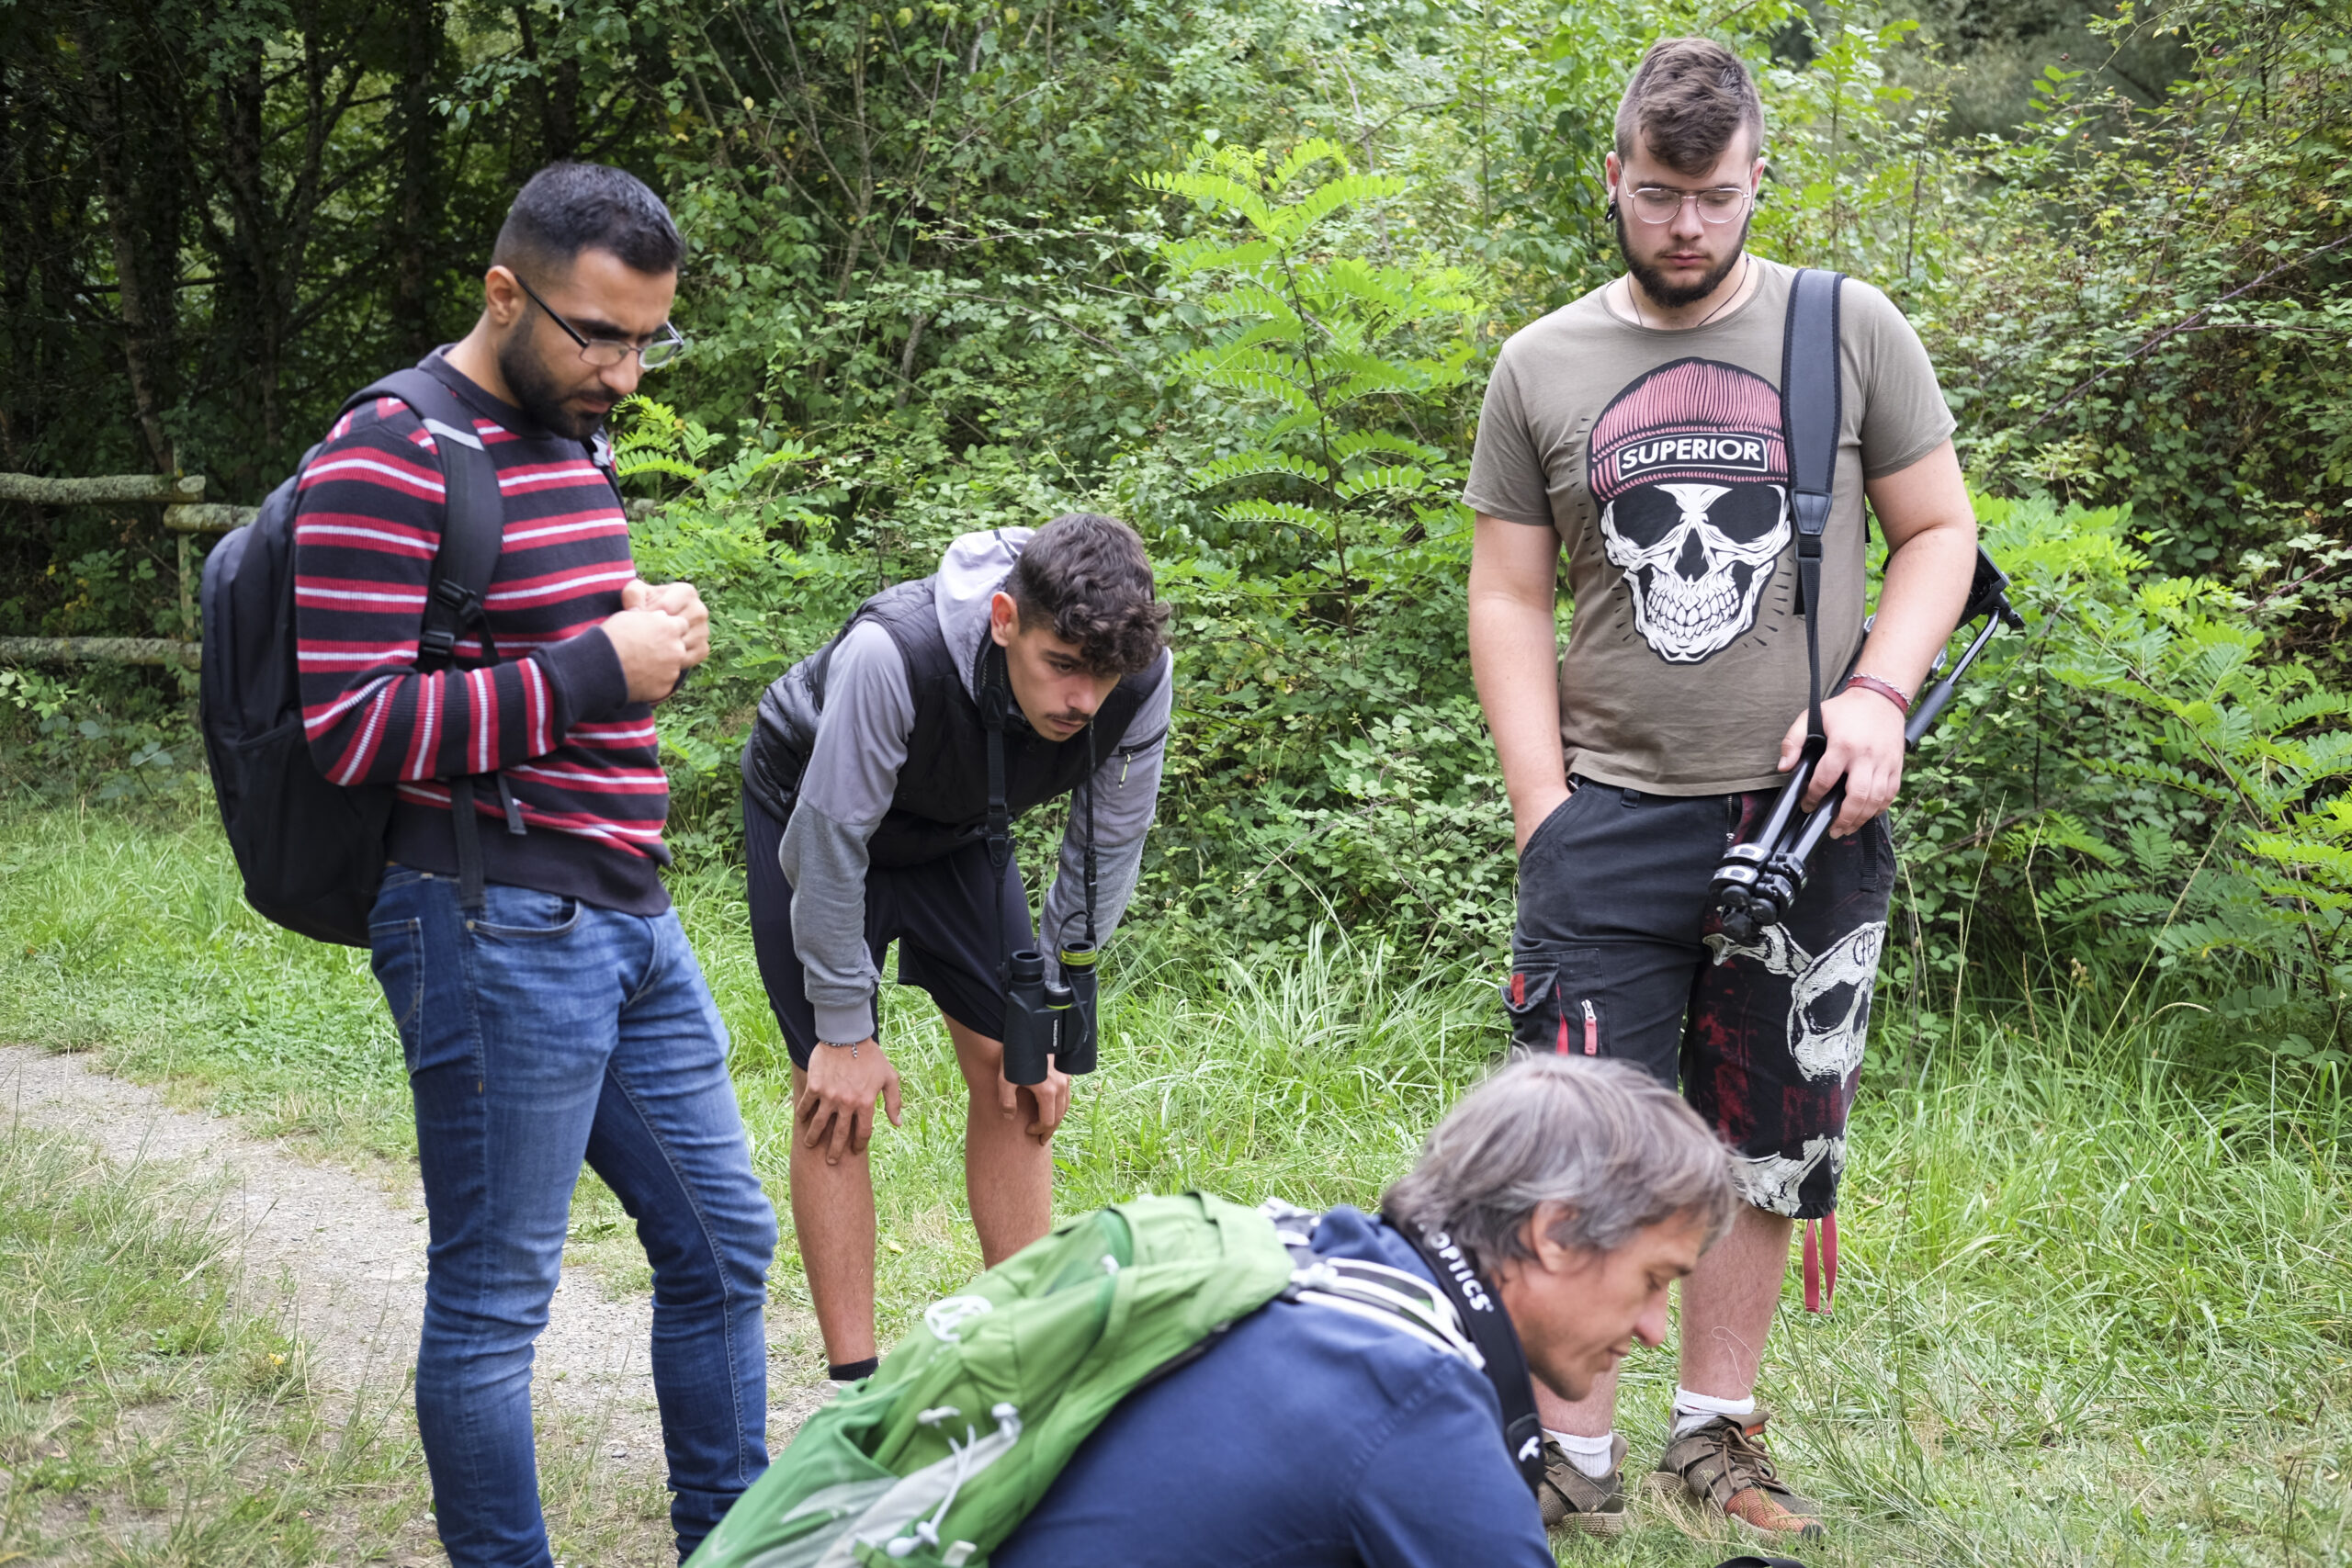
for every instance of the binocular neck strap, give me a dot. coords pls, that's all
(996, 695)
(996, 708)
(1090, 766)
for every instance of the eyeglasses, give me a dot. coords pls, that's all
(603, 352)
(1663, 204)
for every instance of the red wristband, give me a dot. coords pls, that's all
(1886, 689)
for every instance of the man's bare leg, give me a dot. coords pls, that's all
(1008, 1172)
(1594, 1416)
(832, 1220)
(1728, 1301)
(1728, 1307)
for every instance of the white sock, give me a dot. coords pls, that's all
(1692, 1411)
(1590, 1455)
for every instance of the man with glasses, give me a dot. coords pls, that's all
(552, 1014)
(1639, 428)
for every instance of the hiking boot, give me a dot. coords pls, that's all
(1723, 1468)
(1572, 1500)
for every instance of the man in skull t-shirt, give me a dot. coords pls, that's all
(1639, 430)
(1658, 456)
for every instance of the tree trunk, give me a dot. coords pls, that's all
(247, 270)
(414, 207)
(144, 346)
(555, 89)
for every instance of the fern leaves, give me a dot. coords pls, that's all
(2261, 750)
(1327, 359)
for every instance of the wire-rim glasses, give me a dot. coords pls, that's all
(1663, 204)
(602, 352)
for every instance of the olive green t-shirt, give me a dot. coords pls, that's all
(1658, 456)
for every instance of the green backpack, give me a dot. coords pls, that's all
(935, 1460)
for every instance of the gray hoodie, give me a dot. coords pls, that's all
(854, 770)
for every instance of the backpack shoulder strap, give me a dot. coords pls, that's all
(474, 528)
(1811, 413)
(476, 517)
(1397, 1297)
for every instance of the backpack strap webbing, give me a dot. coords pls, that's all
(472, 531)
(1812, 414)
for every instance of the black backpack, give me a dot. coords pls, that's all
(311, 852)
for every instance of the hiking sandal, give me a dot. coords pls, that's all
(1724, 1467)
(1571, 1500)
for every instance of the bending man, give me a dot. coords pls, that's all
(1574, 1194)
(866, 805)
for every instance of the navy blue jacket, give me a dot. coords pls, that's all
(1305, 1436)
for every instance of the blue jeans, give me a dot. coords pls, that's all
(542, 1033)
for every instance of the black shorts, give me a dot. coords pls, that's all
(937, 912)
(1618, 953)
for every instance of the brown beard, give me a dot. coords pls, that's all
(1673, 297)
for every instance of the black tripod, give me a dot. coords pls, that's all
(1761, 877)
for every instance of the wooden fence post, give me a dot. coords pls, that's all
(185, 514)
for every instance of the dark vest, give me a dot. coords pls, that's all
(942, 800)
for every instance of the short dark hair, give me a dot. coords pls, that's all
(569, 208)
(1087, 575)
(1688, 98)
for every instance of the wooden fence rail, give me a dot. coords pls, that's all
(99, 650)
(42, 490)
(212, 517)
(186, 514)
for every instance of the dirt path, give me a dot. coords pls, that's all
(343, 1260)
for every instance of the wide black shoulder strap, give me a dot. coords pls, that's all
(475, 519)
(1811, 400)
(1811, 410)
(1811, 393)
(474, 528)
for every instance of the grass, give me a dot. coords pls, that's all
(2097, 1288)
(145, 1420)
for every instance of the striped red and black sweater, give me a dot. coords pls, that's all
(553, 713)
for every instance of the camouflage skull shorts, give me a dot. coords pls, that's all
(1617, 953)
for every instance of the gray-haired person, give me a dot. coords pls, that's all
(1571, 1193)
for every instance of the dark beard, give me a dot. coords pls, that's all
(1666, 296)
(536, 392)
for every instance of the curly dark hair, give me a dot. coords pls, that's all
(1086, 576)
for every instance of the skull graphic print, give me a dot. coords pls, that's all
(1691, 475)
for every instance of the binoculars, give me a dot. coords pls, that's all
(1761, 877)
(1049, 1018)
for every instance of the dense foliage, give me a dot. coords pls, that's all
(1234, 271)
